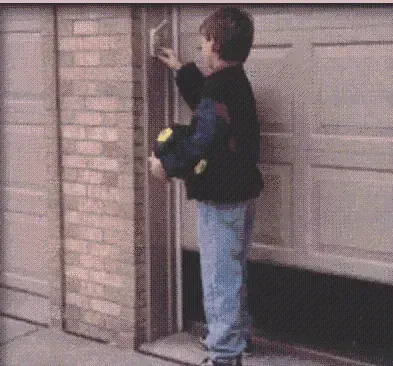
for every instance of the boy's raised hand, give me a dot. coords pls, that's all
(168, 57)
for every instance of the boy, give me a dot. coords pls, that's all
(225, 135)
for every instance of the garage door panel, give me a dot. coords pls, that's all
(25, 155)
(352, 209)
(269, 71)
(353, 84)
(294, 17)
(23, 305)
(271, 18)
(278, 38)
(370, 111)
(24, 248)
(349, 34)
(25, 112)
(27, 200)
(21, 19)
(28, 63)
(9, 23)
(352, 160)
(17, 110)
(343, 16)
(25, 116)
(273, 223)
(312, 16)
(26, 106)
(356, 254)
(356, 144)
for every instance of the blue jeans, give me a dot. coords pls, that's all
(224, 235)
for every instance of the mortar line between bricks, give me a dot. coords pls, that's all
(102, 242)
(105, 270)
(99, 214)
(93, 212)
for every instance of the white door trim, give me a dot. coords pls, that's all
(178, 188)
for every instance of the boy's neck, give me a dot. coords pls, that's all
(221, 64)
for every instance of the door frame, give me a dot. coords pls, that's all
(177, 186)
(163, 225)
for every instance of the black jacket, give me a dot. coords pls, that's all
(224, 134)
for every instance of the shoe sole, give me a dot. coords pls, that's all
(203, 346)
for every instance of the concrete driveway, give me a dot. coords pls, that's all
(23, 344)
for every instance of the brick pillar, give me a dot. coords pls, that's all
(99, 104)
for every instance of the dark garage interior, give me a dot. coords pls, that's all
(341, 316)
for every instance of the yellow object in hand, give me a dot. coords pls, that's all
(164, 135)
(200, 167)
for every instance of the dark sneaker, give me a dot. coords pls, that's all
(235, 362)
(246, 353)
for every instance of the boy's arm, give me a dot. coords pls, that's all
(189, 80)
(211, 120)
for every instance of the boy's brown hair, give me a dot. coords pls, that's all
(232, 31)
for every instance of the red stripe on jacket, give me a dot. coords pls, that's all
(222, 111)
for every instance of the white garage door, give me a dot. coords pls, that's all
(24, 180)
(323, 80)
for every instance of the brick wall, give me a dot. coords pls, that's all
(102, 171)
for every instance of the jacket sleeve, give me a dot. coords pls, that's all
(190, 81)
(211, 120)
